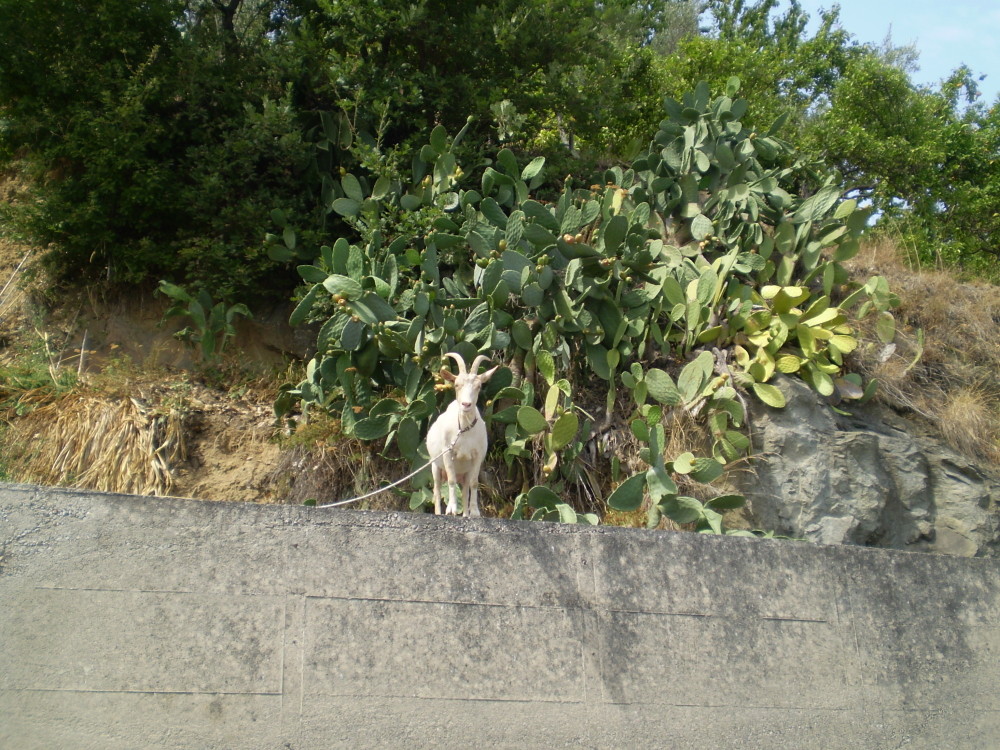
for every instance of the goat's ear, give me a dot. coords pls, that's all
(449, 376)
(483, 377)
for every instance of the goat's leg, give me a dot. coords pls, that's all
(463, 492)
(452, 477)
(454, 490)
(472, 495)
(436, 474)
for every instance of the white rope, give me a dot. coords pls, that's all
(389, 486)
(408, 476)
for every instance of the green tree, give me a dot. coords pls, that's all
(157, 136)
(783, 70)
(402, 67)
(928, 159)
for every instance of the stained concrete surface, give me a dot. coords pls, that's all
(133, 622)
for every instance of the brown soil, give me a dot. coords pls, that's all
(107, 353)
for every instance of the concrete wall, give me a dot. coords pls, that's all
(151, 623)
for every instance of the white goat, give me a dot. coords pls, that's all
(457, 439)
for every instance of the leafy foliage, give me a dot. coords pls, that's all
(697, 259)
(214, 322)
(156, 146)
(401, 67)
(928, 163)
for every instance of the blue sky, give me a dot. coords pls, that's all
(947, 33)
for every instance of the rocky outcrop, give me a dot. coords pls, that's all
(869, 477)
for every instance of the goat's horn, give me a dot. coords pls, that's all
(474, 367)
(461, 362)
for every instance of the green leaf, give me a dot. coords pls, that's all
(478, 319)
(352, 188)
(302, 309)
(174, 292)
(614, 233)
(701, 227)
(408, 438)
(493, 213)
(684, 463)
(546, 366)
(439, 139)
(705, 289)
(694, 376)
(706, 470)
(543, 497)
(350, 337)
(640, 429)
(738, 440)
(629, 494)
(846, 250)
(713, 519)
(818, 379)
(564, 430)
(661, 387)
(521, 334)
(312, 274)
(845, 209)
(347, 207)
(817, 206)
(443, 240)
(681, 509)
(532, 295)
(885, 327)
(659, 483)
(343, 285)
(726, 502)
(531, 420)
(566, 513)
(507, 161)
(571, 221)
(382, 187)
(769, 394)
(788, 363)
(843, 343)
(280, 254)
(373, 309)
(373, 428)
(540, 214)
(533, 168)
(408, 202)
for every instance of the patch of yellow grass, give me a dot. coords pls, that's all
(100, 442)
(946, 355)
(970, 421)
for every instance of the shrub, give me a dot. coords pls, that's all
(691, 279)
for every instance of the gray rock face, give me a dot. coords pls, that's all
(871, 478)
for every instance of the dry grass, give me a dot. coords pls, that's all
(969, 419)
(946, 357)
(319, 463)
(100, 442)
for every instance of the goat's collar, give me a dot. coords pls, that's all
(470, 425)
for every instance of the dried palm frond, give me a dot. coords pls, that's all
(102, 443)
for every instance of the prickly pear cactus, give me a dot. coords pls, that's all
(688, 280)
